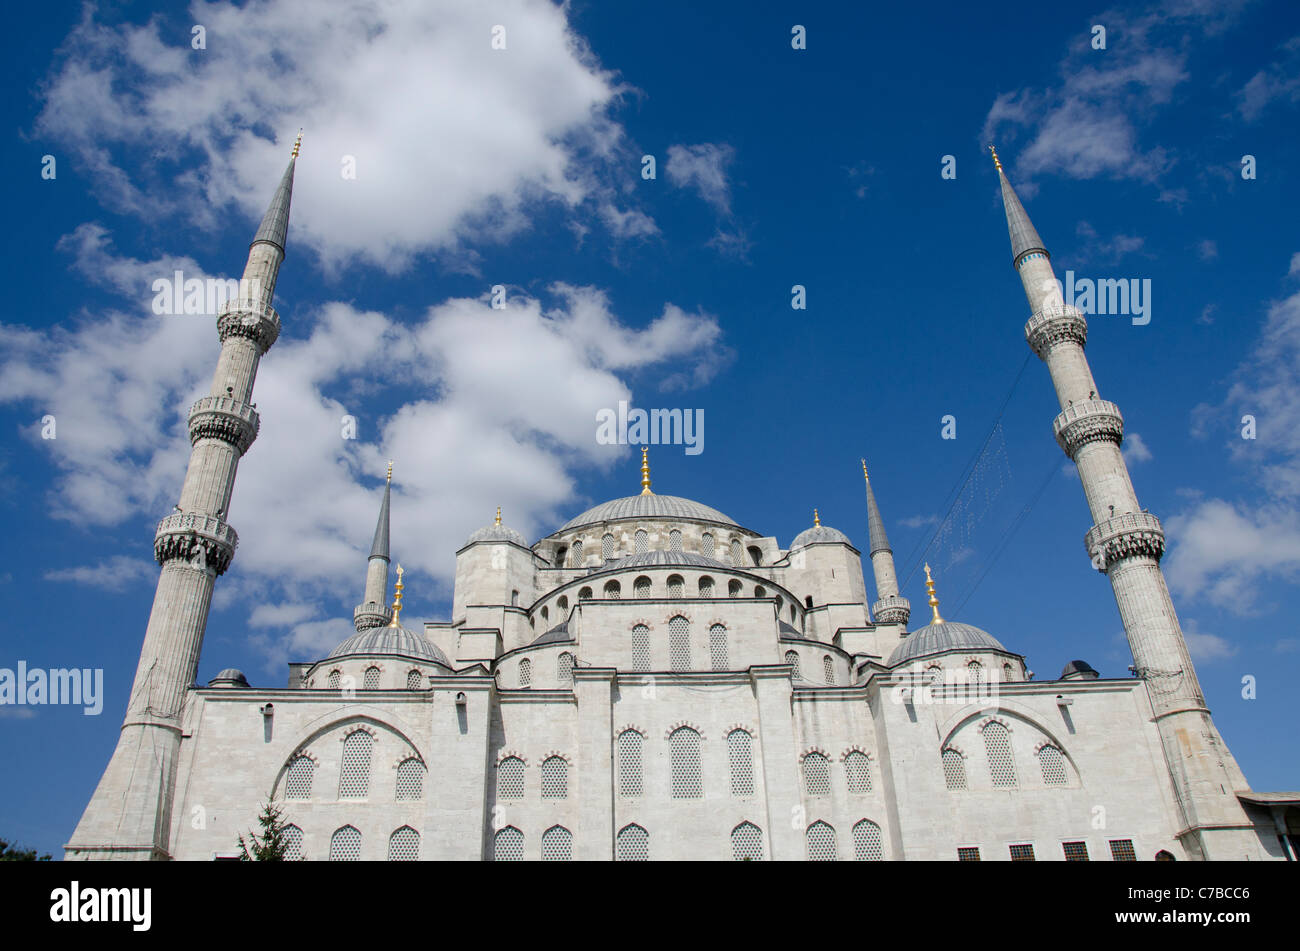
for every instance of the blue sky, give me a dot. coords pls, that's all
(522, 167)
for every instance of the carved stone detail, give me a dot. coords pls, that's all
(202, 540)
(224, 418)
(250, 319)
(892, 610)
(1088, 421)
(1051, 326)
(371, 615)
(1125, 536)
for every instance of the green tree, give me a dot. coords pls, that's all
(272, 845)
(12, 853)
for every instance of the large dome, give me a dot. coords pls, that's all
(944, 636)
(392, 641)
(649, 506)
(651, 559)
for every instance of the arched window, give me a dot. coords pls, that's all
(564, 669)
(576, 553)
(747, 843)
(820, 837)
(525, 672)
(546, 614)
(629, 764)
(755, 555)
(508, 845)
(828, 669)
(641, 542)
(807, 602)
(1006, 673)
(641, 587)
(792, 658)
(607, 547)
(733, 589)
(333, 681)
(675, 585)
(557, 844)
(1053, 764)
(679, 643)
(561, 554)
(413, 680)
(867, 846)
(292, 843)
(954, 769)
(632, 844)
(514, 599)
(297, 780)
(706, 544)
(584, 594)
(563, 603)
(674, 540)
(404, 845)
(975, 672)
(857, 771)
(354, 776)
(510, 778)
(345, 845)
(684, 753)
(640, 648)
(410, 779)
(706, 586)
(997, 743)
(613, 590)
(718, 647)
(555, 778)
(740, 752)
(760, 591)
(792, 614)
(817, 775)
(736, 558)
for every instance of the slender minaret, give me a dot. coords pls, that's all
(372, 612)
(1126, 543)
(129, 815)
(890, 608)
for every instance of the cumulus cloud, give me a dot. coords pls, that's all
(1224, 551)
(1135, 449)
(1277, 82)
(703, 168)
(113, 574)
(1206, 648)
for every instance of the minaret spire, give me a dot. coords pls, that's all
(129, 815)
(372, 612)
(891, 607)
(934, 600)
(645, 471)
(1126, 543)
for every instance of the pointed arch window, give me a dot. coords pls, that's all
(510, 778)
(734, 589)
(564, 669)
(954, 769)
(613, 590)
(820, 837)
(629, 764)
(413, 680)
(1053, 763)
(584, 594)
(576, 554)
(706, 586)
(641, 542)
(354, 776)
(557, 844)
(867, 845)
(292, 843)
(740, 751)
(555, 778)
(817, 775)
(718, 647)
(632, 844)
(857, 773)
(371, 681)
(508, 845)
(756, 555)
(675, 540)
(410, 779)
(563, 603)
(404, 845)
(641, 587)
(760, 591)
(706, 545)
(684, 755)
(297, 780)
(525, 672)
(828, 670)
(975, 672)
(345, 845)
(747, 843)
(736, 559)
(1002, 766)
(679, 643)
(792, 658)
(675, 586)
(332, 682)
(640, 648)
(607, 547)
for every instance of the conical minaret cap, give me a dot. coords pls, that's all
(275, 223)
(876, 537)
(379, 548)
(1024, 238)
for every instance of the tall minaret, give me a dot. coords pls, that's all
(372, 612)
(129, 815)
(1126, 543)
(891, 608)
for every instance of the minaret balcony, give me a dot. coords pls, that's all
(1088, 421)
(1124, 536)
(892, 610)
(1053, 325)
(224, 418)
(203, 540)
(370, 615)
(250, 319)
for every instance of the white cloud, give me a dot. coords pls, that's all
(1227, 553)
(919, 521)
(1135, 449)
(113, 574)
(1277, 82)
(1208, 250)
(704, 168)
(1206, 648)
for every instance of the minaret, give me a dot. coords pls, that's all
(371, 612)
(1126, 543)
(891, 608)
(129, 815)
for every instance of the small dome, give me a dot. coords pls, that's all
(941, 637)
(497, 533)
(648, 506)
(820, 535)
(392, 641)
(1079, 670)
(230, 677)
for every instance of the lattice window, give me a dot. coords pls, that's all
(632, 844)
(1075, 851)
(525, 672)
(292, 837)
(563, 603)
(747, 843)
(1006, 673)
(679, 643)
(510, 778)
(792, 658)
(584, 594)
(718, 647)
(760, 591)
(954, 769)
(736, 558)
(297, 780)
(968, 853)
(613, 590)
(354, 776)
(607, 547)
(820, 837)
(975, 672)
(857, 770)
(1121, 850)
(557, 844)
(576, 554)
(706, 545)
(706, 587)
(508, 845)
(410, 779)
(867, 846)
(641, 541)
(740, 752)
(674, 540)
(371, 681)
(413, 680)
(629, 764)
(817, 775)
(333, 680)
(828, 670)
(345, 845)
(1022, 853)
(734, 589)
(675, 586)
(1002, 767)
(684, 752)
(555, 778)
(1053, 764)
(546, 614)
(640, 647)
(564, 669)
(404, 845)
(641, 587)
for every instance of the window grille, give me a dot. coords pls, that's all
(792, 658)
(706, 545)
(1053, 764)
(679, 643)
(969, 853)
(1075, 851)
(413, 680)
(740, 752)
(509, 845)
(510, 778)
(718, 647)
(354, 777)
(557, 844)
(867, 846)
(674, 540)
(410, 779)
(675, 585)
(1022, 853)
(607, 547)
(975, 672)
(641, 648)
(954, 769)
(345, 845)
(292, 843)
(817, 775)
(297, 781)
(333, 681)
(997, 742)
(613, 590)
(828, 670)
(821, 842)
(555, 778)
(1006, 673)
(629, 764)
(564, 669)
(641, 587)
(576, 554)
(857, 770)
(584, 594)
(747, 843)
(404, 845)
(632, 844)
(563, 603)
(736, 558)
(706, 587)
(371, 681)
(525, 672)
(1121, 850)
(684, 752)
(733, 589)
(641, 541)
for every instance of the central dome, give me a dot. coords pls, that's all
(649, 506)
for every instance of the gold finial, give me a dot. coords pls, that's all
(498, 516)
(645, 471)
(397, 599)
(996, 162)
(816, 518)
(390, 470)
(934, 602)
(297, 144)
(864, 470)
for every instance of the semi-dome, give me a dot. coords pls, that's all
(651, 558)
(649, 506)
(391, 641)
(555, 635)
(230, 677)
(940, 637)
